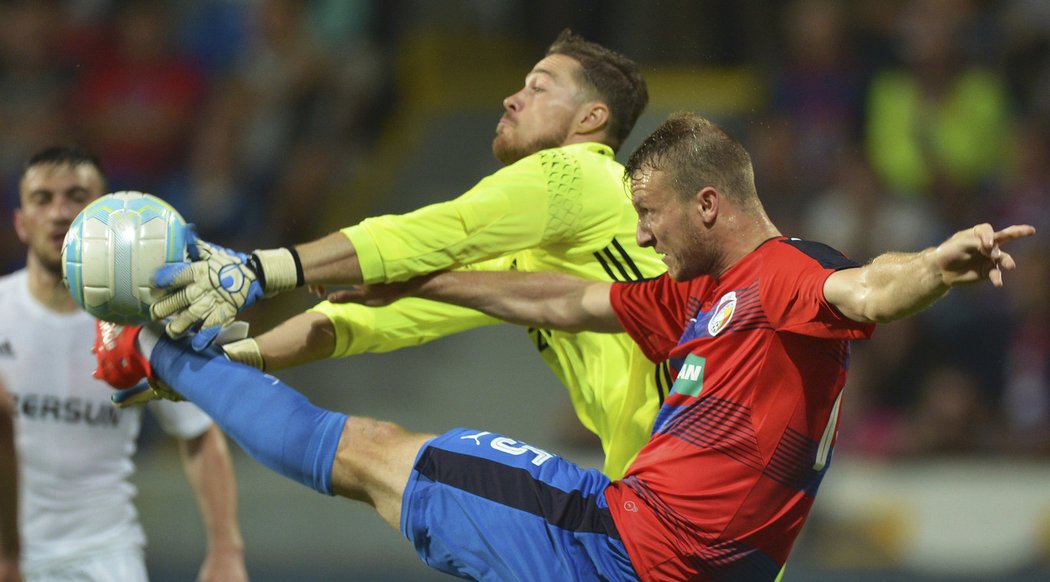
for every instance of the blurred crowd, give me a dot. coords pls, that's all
(887, 125)
(239, 113)
(890, 127)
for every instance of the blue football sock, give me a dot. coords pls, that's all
(273, 423)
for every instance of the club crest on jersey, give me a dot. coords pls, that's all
(722, 313)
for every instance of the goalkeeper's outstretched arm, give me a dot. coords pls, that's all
(306, 337)
(220, 283)
(330, 260)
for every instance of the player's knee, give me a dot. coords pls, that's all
(373, 430)
(373, 442)
(375, 457)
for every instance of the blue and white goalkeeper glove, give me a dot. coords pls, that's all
(220, 283)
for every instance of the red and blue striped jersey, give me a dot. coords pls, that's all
(742, 442)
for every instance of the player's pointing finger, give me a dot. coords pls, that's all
(1014, 232)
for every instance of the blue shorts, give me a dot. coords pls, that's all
(480, 505)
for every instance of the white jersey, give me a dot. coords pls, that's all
(74, 447)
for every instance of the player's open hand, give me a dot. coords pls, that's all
(975, 254)
(208, 292)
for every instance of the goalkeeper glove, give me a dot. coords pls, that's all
(217, 285)
(246, 351)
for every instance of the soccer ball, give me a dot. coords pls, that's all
(112, 250)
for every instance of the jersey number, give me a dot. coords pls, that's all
(513, 447)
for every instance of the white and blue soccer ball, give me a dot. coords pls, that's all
(112, 250)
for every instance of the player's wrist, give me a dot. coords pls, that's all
(434, 286)
(933, 261)
(277, 270)
(245, 351)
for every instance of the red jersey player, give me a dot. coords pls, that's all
(757, 327)
(744, 438)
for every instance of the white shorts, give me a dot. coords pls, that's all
(122, 565)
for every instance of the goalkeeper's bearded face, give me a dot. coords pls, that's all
(541, 114)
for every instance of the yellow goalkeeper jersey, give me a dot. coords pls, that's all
(565, 209)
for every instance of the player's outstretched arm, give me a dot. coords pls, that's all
(208, 292)
(304, 338)
(331, 259)
(209, 470)
(897, 285)
(549, 300)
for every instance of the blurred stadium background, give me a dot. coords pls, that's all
(874, 125)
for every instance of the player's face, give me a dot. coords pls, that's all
(51, 196)
(671, 226)
(540, 115)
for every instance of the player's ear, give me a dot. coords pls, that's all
(593, 118)
(20, 227)
(707, 201)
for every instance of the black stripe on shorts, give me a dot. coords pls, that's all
(518, 489)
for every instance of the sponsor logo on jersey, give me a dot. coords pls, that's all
(690, 380)
(6, 349)
(72, 410)
(722, 313)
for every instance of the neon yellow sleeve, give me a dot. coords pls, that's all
(504, 213)
(408, 322)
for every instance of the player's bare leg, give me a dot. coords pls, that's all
(373, 463)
